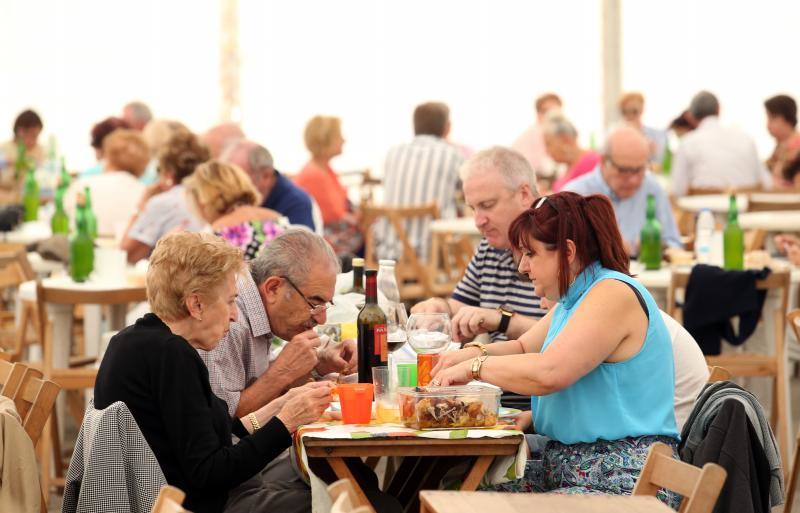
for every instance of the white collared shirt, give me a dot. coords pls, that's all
(717, 157)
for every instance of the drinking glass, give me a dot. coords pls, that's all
(386, 407)
(396, 320)
(428, 333)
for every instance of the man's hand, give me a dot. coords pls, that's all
(299, 356)
(432, 305)
(471, 321)
(337, 357)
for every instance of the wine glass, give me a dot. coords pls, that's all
(429, 333)
(396, 320)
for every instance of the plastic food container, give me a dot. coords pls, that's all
(449, 407)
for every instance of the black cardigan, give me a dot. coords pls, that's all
(164, 383)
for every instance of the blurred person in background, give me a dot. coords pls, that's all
(715, 157)
(623, 177)
(323, 138)
(631, 107)
(531, 142)
(163, 208)
(561, 141)
(418, 173)
(278, 192)
(27, 127)
(220, 137)
(116, 191)
(225, 198)
(156, 133)
(137, 115)
(682, 125)
(782, 126)
(98, 135)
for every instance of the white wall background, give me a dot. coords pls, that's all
(371, 61)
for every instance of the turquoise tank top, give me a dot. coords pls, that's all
(631, 398)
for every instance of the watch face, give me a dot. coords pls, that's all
(507, 308)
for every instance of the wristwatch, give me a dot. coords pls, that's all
(476, 366)
(506, 312)
(482, 347)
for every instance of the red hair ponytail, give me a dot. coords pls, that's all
(589, 222)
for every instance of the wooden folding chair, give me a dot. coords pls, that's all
(698, 487)
(718, 374)
(33, 397)
(747, 364)
(170, 500)
(344, 497)
(415, 279)
(70, 379)
(14, 271)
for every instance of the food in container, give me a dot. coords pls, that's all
(449, 407)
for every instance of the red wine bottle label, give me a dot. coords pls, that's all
(381, 347)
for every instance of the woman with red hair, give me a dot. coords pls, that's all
(598, 367)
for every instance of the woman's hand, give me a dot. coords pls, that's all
(459, 374)
(451, 358)
(306, 405)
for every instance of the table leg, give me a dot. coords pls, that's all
(92, 321)
(473, 479)
(342, 472)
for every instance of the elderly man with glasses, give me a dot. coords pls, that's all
(623, 176)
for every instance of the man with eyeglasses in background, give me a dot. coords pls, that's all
(286, 294)
(623, 176)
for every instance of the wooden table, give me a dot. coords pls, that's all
(774, 221)
(489, 502)
(413, 473)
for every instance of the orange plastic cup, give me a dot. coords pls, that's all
(356, 401)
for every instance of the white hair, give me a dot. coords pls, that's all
(292, 254)
(512, 166)
(555, 123)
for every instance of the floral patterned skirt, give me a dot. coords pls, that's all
(600, 467)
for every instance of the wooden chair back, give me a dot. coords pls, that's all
(15, 269)
(718, 374)
(170, 500)
(696, 191)
(748, 364)
(344, 498)
(698, 487)
(33, 396)
(410, 267)
(793, 318)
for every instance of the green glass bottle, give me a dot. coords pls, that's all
(30, 196)
(650, 238)
(21, 164)
(733, 238)
(64, 179)
(81, 249)
(91, 220)
(666, 160)
(60, 221)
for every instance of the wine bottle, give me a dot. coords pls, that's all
(358, 276)
(372, 347)
(81, 248)
(30, 196)
(60, 221)
(733, 238)
(91, 220)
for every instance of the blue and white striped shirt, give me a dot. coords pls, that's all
(421, 172)
(492, 280)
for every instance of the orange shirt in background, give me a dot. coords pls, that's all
(324, 186)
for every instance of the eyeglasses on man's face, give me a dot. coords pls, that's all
(315, 310)
(626, 170)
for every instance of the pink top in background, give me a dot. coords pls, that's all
(585, 164)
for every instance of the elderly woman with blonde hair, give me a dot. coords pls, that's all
(323, 138)
(226, 198)
(154, 368)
